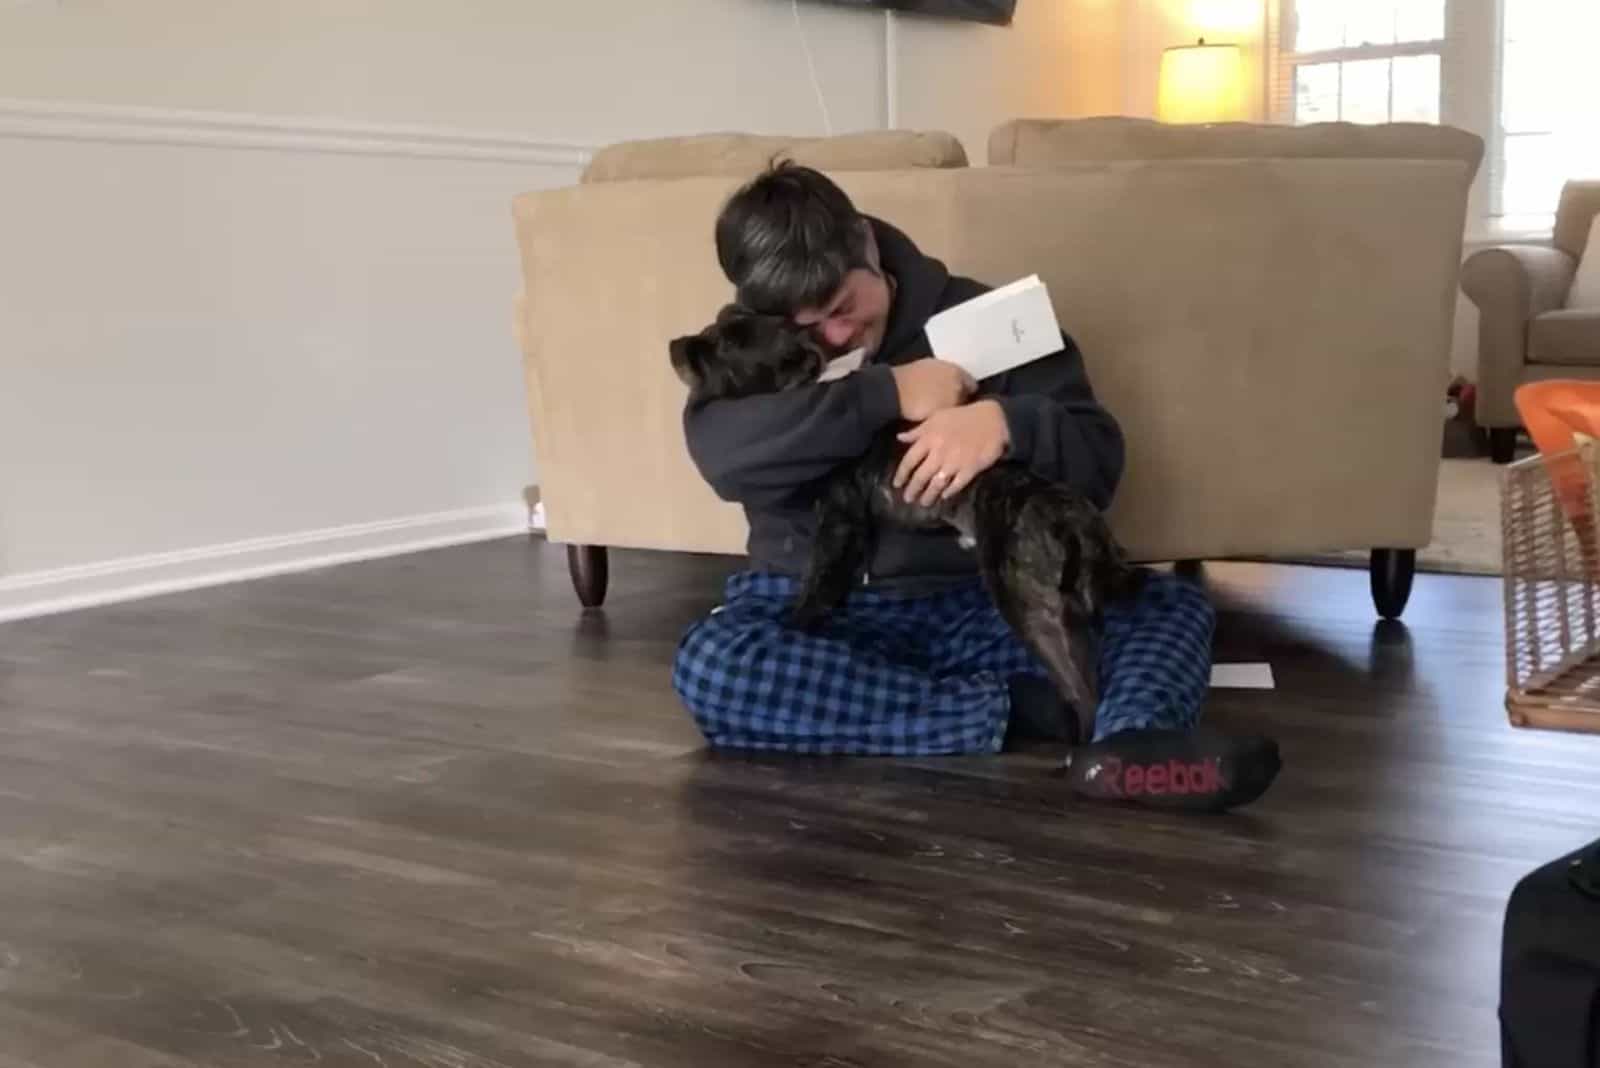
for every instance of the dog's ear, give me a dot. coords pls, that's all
(733, 313)
(690, 354)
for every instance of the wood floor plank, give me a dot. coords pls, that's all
(424, 811)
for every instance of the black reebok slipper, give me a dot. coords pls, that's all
(1200, 770)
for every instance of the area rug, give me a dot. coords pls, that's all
(1466, 525)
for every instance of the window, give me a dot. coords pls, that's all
(1367, 60)
(1543, 136)
(1513, 71)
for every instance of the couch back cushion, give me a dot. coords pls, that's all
(1580, 205)
(1051, 142)
(741, 155)
(1585, 291)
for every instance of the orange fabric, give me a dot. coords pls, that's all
(1555, 413)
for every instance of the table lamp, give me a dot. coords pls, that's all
(1202, 83)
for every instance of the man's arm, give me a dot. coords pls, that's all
(1057, 427)
(759, 450)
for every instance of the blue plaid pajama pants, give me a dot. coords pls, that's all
(916, 676)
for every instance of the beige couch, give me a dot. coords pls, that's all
(1524, 332)
(1272, 332)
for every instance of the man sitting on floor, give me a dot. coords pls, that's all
(918, 661)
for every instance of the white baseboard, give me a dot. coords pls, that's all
(65, 589)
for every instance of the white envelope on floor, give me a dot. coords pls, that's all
(1242, 677)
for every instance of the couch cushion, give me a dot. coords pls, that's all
(1050, 142)
(1570, 336)
(1585, 291)
(744, 154)
(1580, 203)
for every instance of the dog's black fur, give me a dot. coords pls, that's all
(1046, 555)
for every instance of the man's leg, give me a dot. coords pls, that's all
(971, 639)
(1155, 672)
(1155, 658)
(865, 683)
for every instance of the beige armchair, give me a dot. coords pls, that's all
(1524, 332)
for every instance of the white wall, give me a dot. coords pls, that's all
(258, 256)
(209, 344)
(1058, 58)
(564, 70)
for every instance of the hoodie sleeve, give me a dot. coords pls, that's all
(758, 451)
(1057, 426)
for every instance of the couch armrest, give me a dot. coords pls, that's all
(1510, 284)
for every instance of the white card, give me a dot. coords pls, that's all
(1002, 329)
(849, 363)
(1242, 677)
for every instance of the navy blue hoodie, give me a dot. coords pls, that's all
(769, 453)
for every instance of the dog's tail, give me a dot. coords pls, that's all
(1121, 580)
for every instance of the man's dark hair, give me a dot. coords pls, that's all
(787, 239)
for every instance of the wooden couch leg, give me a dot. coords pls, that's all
(590, 568)
(1392, 572)
(1503, 444)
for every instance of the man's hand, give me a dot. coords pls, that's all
(928, 386)
(951, 448)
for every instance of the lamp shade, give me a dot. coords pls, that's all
(1202, 83)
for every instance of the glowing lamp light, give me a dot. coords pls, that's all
(1202, 83)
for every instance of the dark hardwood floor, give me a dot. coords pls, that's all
(423, 812)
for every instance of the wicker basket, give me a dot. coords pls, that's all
(1552, 596)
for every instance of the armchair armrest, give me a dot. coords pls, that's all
(1510, 284)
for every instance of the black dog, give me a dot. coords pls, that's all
(1046, 555)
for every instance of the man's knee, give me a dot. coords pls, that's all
(1193, 601)
(702, 655)
(700, 675)
(716, 674)
(1173, 597)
